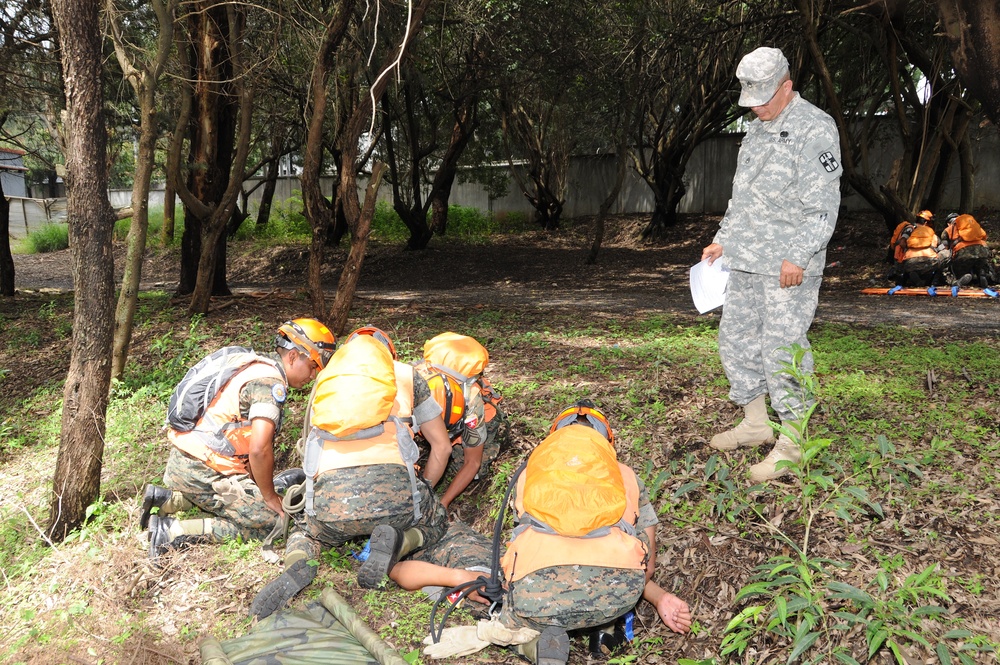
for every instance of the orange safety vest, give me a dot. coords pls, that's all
(532, 548)
(221, 439)
(920, 243)
(964, 232)
(374, 445)
(449, 395)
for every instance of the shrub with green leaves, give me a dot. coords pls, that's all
(49, 238)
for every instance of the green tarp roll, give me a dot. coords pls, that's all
(324, 633)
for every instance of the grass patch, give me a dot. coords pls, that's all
(927, 459)
(49, 238)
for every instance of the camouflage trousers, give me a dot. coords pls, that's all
(351, 502)
(235, 501)
(497, 433)
(572, 597)
(759, 321)
(975, 260)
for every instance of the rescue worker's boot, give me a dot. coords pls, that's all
(164, 500)
(606, 639)
(167, 533)
(753, 430)
(298, 574)
(387, 546)
(288, 478)
(784, 450)
(549, 648)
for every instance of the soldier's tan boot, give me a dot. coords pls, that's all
(753, 430)
(784, 450)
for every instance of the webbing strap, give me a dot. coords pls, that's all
(311, 454)
(529, 521)
(310, 464)
(410, 453)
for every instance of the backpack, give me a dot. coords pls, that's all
(356, 389)
(573, 484)
(203, 382)
(968, 229)
(921, 237)
(460, 360)
(449, 393)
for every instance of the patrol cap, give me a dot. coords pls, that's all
(760, 72)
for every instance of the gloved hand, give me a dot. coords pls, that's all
(497, 633)
(455, 641)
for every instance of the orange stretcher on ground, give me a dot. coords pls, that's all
(942, 291)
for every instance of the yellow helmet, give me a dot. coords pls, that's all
(588, 410)
(307, 336)
(378, 334)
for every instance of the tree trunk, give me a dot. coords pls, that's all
(359, 219)
(348, 282)
(466, 121)
(267, 194)
(169, 206)
(602, 212)
(968, 175)
(128, 296)
(77, 480)
(6, 259)
(317, 209)
(971, 27)
(666, 198)
(143, 80)
(223, 108)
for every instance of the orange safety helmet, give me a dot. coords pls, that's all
(378, 334)
(309, 337)
(926, 215)
(588, 410)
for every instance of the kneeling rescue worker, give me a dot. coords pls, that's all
(582, 553)
(453, 367)
(222, 420)
(359, 467)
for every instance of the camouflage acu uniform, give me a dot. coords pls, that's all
(351, 502)
(485, 434)
(786, 196)
(572, 597)
(236, 500)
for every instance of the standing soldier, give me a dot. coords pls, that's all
(786, 195)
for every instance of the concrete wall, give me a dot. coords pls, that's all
(709, 183)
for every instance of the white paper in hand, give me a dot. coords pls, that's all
(708, 284)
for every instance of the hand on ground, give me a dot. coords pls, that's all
(674, 612)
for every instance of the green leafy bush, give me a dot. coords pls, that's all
(287, 221)
(49, 238)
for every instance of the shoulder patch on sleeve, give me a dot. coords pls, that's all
(279, 393)
(829, 161)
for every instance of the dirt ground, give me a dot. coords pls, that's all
(547, 271)
(542, 278)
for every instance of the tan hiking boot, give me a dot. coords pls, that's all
(784, 450)
(753, 430)
(744, 434)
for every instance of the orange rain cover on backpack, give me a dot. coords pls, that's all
(922, 237)
(356, 389)
(969, 230)
(459, 353)
(573, 483)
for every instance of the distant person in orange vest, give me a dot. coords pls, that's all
(917, 253)
(971, 258)
(222, 456)
(572, 483)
